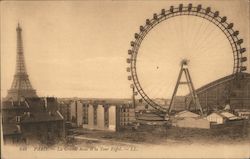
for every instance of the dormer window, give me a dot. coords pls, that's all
(18, 119)
(18, 128)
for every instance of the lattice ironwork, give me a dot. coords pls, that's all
(21, 86)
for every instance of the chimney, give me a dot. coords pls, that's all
(27, 104)
(12, 102)
(45, 103)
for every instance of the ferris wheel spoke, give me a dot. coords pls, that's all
(192, 38)
(206, 38)
(187, 32)
(200, 36)
(198, 32)
(213, 42)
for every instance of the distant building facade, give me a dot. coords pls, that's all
(99, 114)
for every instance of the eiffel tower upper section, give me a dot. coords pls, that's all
(21, 86)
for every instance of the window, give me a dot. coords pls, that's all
(49, 127)
(22, 99)
(248, 90)
(85, 114)
(18, 119)
(95, 116)
(106, 118)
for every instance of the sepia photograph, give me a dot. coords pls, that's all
(125, 79)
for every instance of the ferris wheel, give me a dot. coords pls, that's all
(180, 28)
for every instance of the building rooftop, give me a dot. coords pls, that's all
(36, 110)
(11, 129)
(41, 117)
(186, 113)
(14, 105)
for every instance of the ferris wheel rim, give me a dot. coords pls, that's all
(213, 17)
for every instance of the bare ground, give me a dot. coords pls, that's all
(170, 136)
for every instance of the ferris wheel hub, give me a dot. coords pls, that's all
(184, 62)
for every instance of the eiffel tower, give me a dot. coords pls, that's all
(21, 86)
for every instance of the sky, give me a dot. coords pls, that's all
(79, 48)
